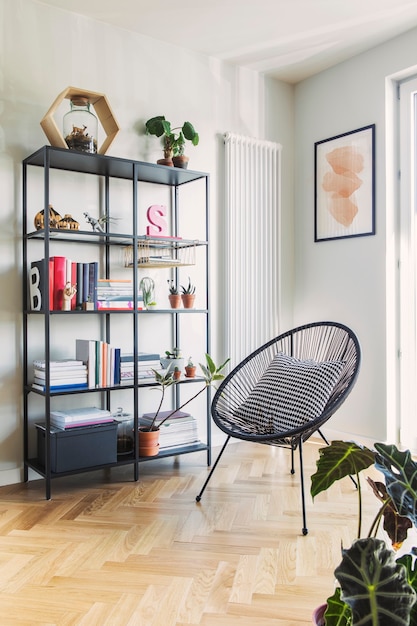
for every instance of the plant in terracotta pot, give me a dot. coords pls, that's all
(174, 296)
(188, 295)
(376, 586)
(211, 373)
(190, 369)
(173, 138)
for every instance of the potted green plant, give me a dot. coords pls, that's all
(211, 373)
(172, 359)
(190, 369)
(188, 295)
(173, 138)
(174, 296)
(376, 587)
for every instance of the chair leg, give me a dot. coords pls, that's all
(292, 461)
(303, 502)
(198, 498)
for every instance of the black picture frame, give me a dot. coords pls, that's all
(344, 180)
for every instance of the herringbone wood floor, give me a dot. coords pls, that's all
(110, 551)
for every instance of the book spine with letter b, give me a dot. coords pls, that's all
(37, 282)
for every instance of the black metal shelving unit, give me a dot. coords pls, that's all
(104, 168)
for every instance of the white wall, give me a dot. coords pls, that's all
(43, 51)
(346, 279)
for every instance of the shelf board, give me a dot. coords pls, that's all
(125, 459)
(115, 167)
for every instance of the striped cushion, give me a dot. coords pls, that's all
(289, 393)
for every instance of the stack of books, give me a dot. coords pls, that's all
(76, 418)
(147, 362)
(102, 361)
(64, 374)
(116, 294)
(179, 430)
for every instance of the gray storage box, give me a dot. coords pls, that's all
(77, 448)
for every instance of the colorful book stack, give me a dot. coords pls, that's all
(64, 375)
(179, 430)
(116, 294)
(102, 361)
(62, 270)
(76, 418)
(147, 362)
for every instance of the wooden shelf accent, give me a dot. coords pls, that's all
(101, 107)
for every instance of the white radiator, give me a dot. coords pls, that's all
(253, 251)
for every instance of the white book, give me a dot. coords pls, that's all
(61, 374)
(62, 363)
(81, 413)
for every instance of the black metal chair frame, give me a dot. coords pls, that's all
(320, 341)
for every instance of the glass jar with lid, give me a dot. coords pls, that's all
(80, 126)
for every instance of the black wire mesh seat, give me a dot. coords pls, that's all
(319, 342)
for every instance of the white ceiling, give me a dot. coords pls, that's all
(288, 39)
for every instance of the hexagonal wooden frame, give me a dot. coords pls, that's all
(101, 107)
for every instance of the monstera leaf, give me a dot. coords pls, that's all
(374, 585)
(340, 459)
(400, 473)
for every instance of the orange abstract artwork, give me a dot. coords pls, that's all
(344, 175)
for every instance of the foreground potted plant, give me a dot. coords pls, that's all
(210, 374)
(376, 587)
(173, 142)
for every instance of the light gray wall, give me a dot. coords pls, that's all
(45, 50)
(347, 279)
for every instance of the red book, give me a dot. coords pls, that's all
(73, 282)
(60, 278)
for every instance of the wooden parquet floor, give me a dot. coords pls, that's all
(108, 551)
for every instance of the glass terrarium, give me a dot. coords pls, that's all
(80, 126)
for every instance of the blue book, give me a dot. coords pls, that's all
(92, 282)
(56, 388)
(117, 366)
(86, 278)
(79, 285)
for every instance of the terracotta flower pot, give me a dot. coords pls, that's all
(176, 374)
(188, 300)
(190, 371)
(174, 300)
(148, 442)
(180, 161)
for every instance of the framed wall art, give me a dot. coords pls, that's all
(345, 185)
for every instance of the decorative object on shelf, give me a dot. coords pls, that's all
(124, 431)
(80, 126)
(101, 107)
(96, 224)
(188, 295)
(190, 369)
(69, 293)
(172, 359)
(174, 296)
(375, 586)
(68, 223)
(211, 374)
(163, 252)
(173, 142)
(158, 225)
(147, 286)
(54, 218)
(176, 373)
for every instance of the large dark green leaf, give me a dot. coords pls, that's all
(338, 613)
(400, 473)
(374, 585)
(340, 459)
(411, 566)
